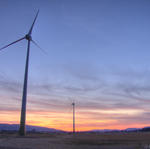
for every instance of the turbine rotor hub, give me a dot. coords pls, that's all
(28, 37)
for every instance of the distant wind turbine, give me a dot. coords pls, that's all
(28, 37)
(73, 106)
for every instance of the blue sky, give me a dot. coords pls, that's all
(97, 54)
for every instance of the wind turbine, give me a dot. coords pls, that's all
(28, 37)
(73, 106)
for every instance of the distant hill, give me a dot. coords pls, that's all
(145, 129)
(30, 128)
(132, 129)
(105, 130)
(15, 127)
(124, 130)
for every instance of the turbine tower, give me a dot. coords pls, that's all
(28, 37)
(73, 106)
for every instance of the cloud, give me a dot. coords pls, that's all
(9, 109)
(82, 89)
(130, 86)
(123, 101)
(83, 71)
(7, 84)
(125, 116)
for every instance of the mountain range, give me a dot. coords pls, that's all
(30, 128)
(15, 127)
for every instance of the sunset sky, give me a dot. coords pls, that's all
(98, 55)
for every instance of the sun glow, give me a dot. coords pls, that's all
(62, 119)
(119, 111)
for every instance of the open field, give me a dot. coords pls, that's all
(136, 140)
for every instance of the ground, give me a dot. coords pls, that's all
(116, 140)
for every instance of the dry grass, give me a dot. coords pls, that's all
(137, 140)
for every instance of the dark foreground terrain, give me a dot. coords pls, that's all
(121, 140)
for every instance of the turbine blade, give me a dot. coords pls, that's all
(39, 47)
(12, 43)
(30, 31)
